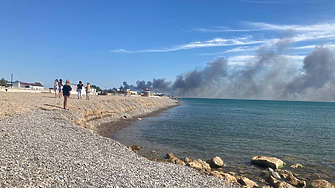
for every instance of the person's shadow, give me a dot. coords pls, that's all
(53, 106)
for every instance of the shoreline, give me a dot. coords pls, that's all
(75, 120)
(253, 173)
(105, 129)
(46, 146)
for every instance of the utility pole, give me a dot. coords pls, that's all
(11, 80)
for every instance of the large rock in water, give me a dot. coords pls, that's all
(271, 162)
(321, 184)
(215, 162)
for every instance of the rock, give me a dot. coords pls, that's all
(169, 156)
(277, 183)
(199, 165)
(216, 174)
(134, 147)
(246, 182)
(298, 165)
(215, 162)
(228, 177)
(177, 161)
(291, 179)
(283, 173)
(271, 162)
(139, 119)
(187, 160)
(273, 173)
(124, 117)
(321, 184)
(173, 159)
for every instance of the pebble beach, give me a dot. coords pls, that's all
(43, 145)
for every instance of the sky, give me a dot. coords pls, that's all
(109, 42)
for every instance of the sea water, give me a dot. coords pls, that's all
(237, 130)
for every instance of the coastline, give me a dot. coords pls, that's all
(54, 138)
(105, 129)
(46, 146)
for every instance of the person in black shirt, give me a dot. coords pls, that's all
(66, 93)
(79, 88)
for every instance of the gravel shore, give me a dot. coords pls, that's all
(40, 149)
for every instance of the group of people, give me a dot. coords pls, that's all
(65, 90)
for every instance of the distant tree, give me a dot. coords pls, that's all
(3, 82)
(38, 84)
(96, 87)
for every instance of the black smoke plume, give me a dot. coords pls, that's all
(271, 75)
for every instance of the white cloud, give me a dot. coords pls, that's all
(120, 51)
(216, 42)
(327, 26)
(261, 26)
(314, 32)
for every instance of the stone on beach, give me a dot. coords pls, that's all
(215, 162)
(173, 159)
(135, 147)
(187, 160)
(271, 162)
(290, 178)
(228, 177)
(200, 165)
(321, 184)
(278, 184)
(246, 182)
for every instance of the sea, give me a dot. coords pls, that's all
(236, 130)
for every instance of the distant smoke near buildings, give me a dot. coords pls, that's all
(271, 76)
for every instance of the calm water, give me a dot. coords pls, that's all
(236, 130)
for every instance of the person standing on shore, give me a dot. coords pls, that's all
(79, 88)
(66, 93)
(60, 86)
(56, 88)
(88, 90)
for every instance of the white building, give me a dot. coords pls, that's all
(18, 84)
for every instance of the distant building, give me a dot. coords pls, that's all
(147, 92)
(18, 84)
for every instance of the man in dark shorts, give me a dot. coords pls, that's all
(66, 93)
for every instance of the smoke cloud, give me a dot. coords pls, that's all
(269, 76)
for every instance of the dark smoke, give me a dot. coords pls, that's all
(270, 76)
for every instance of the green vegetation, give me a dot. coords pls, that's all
(96, 87)
(3, 82)
(38, 84)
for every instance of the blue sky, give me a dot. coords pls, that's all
(108, 42)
